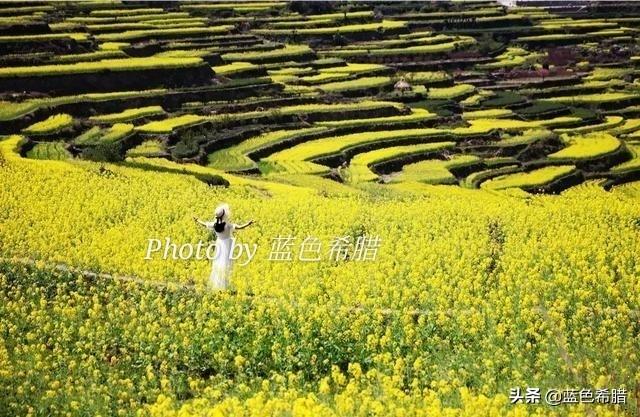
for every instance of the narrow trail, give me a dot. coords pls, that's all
(540, 309)
(96, 275)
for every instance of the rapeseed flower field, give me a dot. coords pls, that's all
(434, 209)
(472, 293)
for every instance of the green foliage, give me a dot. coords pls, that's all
(49, 150)
(212, 179)
(186, 148)
(104, 152)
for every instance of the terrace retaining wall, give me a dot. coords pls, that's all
(108, 81)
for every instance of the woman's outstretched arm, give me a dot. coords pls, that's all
(200, 222)
(242, 226)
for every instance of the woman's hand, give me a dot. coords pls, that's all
(242, 226)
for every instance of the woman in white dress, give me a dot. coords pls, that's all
(223, 228)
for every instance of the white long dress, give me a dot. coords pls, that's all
(222, 262)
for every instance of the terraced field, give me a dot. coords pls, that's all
(204, 86)
(496, 150)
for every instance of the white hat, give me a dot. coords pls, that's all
(223, 211)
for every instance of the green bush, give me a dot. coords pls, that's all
(104, 152)
(185, 149)
(212, 179)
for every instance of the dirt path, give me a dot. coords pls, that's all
(384, 311)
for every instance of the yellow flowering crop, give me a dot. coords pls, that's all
(458, 307)
(429, 132)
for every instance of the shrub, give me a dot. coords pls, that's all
(104, 152)
(186, 148)
(212, 179)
